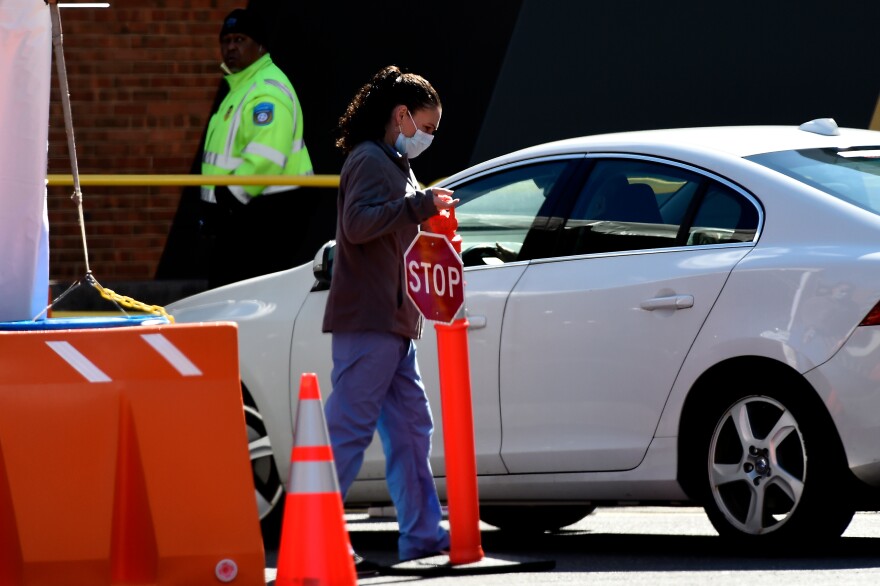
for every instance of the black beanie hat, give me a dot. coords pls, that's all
(243, 22)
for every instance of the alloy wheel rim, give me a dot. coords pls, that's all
(267, 485)
(757, 465)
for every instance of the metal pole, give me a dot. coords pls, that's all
(190, 180)
(57, 44)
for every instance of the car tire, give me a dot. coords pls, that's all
(773, 468)
(533, 519)
(268, 487)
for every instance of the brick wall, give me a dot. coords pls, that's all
(141, 81)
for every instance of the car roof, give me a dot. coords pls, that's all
(740, 141)
(736, 141)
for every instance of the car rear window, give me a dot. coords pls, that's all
(852, 175)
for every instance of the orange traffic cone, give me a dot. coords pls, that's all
(315, 548)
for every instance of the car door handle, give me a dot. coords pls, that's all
(476, 322)
(671, 302)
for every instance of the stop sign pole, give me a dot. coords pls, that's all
(434, 283)
(458, 442)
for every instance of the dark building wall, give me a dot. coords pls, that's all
(329, 49)
(575, 68)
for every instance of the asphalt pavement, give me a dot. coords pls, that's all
(632, 546)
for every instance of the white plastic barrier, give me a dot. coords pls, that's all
(25, 68)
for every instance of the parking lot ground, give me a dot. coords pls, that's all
(630, 546)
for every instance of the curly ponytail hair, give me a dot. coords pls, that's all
(369, 110)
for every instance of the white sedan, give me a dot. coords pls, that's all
(663, 317)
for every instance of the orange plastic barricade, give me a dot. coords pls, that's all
(123, 458)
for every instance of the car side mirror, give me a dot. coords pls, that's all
(322, 266)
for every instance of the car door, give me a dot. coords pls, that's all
(496, 213)
(593, 338)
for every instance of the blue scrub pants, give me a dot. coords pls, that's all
(376, 384)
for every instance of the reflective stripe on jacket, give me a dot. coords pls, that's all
(257, 130)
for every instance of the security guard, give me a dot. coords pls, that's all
(257, 130)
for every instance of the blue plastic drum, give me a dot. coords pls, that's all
(76, 323)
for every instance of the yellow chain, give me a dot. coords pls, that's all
(129, 302)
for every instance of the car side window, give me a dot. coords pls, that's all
(629, 204)
(724, 216)
(635, 204)
(496, 211)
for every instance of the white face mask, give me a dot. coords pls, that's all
(413, 146)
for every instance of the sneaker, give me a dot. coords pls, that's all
(364, 567)
(432, 554)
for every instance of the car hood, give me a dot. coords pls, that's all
(252, 299)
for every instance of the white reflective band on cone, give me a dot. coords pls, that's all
(312, 477)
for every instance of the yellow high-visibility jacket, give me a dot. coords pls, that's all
(257, 130)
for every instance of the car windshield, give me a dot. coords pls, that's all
(852, 175)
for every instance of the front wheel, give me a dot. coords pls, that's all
(774, 472)
(269, 490)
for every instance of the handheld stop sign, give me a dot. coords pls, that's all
(434, 277)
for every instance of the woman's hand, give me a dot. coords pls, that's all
(443, 198)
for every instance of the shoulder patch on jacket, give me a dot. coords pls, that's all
(264, 113)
